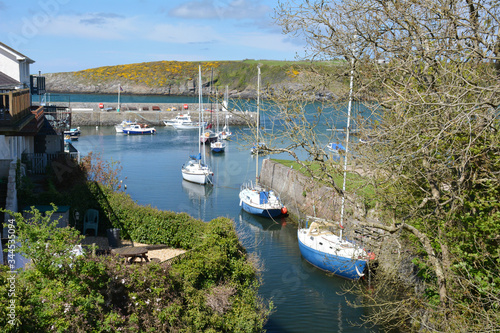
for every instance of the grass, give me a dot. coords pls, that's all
(354, 182)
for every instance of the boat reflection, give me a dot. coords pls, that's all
(196, 191)
(262, 223)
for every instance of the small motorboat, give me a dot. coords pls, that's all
(73, 132)
(124, 124)
(335, 148)
(180, 119)
(139, 129)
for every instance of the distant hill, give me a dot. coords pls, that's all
(181, 77)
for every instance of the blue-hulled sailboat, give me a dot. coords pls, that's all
(254, 198)
(319, 244)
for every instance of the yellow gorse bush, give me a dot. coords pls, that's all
(152, 74)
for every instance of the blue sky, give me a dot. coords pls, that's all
(71, 35)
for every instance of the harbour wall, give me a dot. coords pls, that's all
(90, 114)
(304, 196)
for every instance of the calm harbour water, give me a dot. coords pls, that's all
(306, 299)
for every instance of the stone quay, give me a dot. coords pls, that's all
(92, 114)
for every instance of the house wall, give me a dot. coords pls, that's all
(11, 147)
(4, 168)
(53, 144)
(10, 66)
(24, 73)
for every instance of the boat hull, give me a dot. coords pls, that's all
(260, 211)
(260, 202)
(133, 132)
(197, 178)
(209, 139)
(197, 173)
(344, 267)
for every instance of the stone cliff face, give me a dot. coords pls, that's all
(69, 83)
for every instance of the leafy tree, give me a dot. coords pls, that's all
(431, 141)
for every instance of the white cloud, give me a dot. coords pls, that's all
(266, 41)
(92, 26)
(182, 34)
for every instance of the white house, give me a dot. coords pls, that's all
(19, 122)
(15, 65)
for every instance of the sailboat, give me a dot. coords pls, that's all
(226, 133)
(208, 134)
(321, 247)
(218, 146)
(118, 104)
(194, 170)
(254, 198)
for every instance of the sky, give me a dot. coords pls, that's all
(72, 35)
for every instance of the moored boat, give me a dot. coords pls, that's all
(318, 242)
(182, 121)
(335, 148)
(208, 136)
(254, 198)
(321, 247)
(138, 129)
(124, 124)
(73, 132)
(188, 126)
(257, 200)
(195, 170)
(218, 146)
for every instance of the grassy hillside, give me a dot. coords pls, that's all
(237, 74)
(181, 77)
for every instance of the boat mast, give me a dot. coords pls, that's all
(217, 110)
(118, 107)
(226, 105)
(200, 116)
(211, 97)
(257, 127)
(346, 146)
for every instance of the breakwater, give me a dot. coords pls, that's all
(91, 114)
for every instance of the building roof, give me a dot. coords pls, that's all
(19, 55)
(6, 82)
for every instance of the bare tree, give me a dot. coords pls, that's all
(431, 141)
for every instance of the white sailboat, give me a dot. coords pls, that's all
(195, 170)
(319, 244)
(254, 198)
(225, 134)
(118, 104)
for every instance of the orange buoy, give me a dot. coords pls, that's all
(186, 106)
(101, 105)
(371, 255)
(284, 210)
